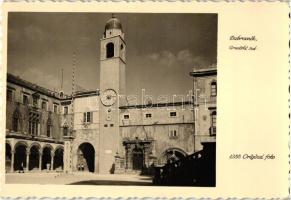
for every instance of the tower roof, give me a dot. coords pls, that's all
(113, 23)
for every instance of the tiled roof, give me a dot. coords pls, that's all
(18, 81)
(87, 93)
(23, 83)
(204, 72)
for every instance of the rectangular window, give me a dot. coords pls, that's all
(33, 128)
(173, 114)
(66, 110)
(25, 99)
(9, 96)
(15, 124)
(213, 89)
(126, 116)
(48, 133)
(88, 117)
(148, 115)
(29, 127)
(173, 134)
(213, 123)
(34, 101)
(213, 119)
(105, 125)
(111, 125)
(65, 131)
(44, 105)
(55, 108)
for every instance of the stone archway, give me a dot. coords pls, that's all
(8, 157)
(171, 155)
(46, 158)
(137, 155)
(58, 159)
(86, 157)
(34, 157)
(20, 156)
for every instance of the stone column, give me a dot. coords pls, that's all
(67, 157)
(12, 161)
(52, 161)
(27, 161)
(40, 161)
(146, 155)
(128, 157)
(117, 164)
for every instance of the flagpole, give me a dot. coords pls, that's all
(73, 90)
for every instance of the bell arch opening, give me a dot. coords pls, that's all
(109, 50)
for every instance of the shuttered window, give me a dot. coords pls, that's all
(88, 117)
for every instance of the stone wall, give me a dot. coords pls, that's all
(24, 110)
(159, 128)
(86, 132)
(205, 104)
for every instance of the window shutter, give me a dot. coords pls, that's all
(88, 116)
(84, 118)
(91, 113)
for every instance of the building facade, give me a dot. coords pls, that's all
(97, 131)
(33, 129)
(204, 100)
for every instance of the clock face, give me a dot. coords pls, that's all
(108, 97)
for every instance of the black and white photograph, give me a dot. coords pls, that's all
(111, 99)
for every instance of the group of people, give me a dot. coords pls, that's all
(22, 167)
(81, 167)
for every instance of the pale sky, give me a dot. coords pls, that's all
(161, 49)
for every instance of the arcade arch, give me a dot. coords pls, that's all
(20, 150)
(34, 157)
(58, 159)
(47, 157)
(8, 157)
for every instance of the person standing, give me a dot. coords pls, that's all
(21, 170)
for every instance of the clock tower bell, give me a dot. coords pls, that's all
(112, 88)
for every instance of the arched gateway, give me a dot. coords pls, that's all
(171, 155)
(86, 157)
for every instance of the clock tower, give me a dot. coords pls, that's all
(112, 87)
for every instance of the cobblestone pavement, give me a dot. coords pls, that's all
(77, 179)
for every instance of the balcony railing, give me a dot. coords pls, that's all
(23, 135)
(69, 135)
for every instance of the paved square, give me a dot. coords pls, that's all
(77, 179)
